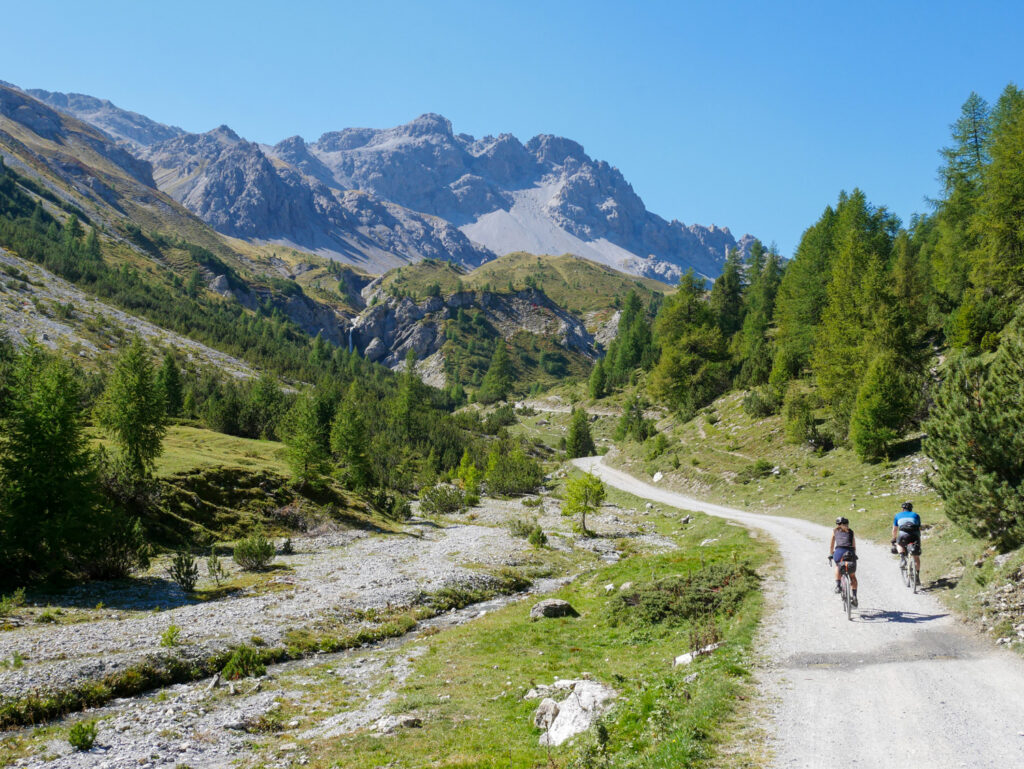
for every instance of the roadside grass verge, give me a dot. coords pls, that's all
(467, 687)
(726, 456)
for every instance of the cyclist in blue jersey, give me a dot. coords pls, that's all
(844, 545)
(906, 534)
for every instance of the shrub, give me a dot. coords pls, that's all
(288, 548)
(244, 663)
(798, 415)
(442, 499)
(519, 528)
(170, 637)
(502, 416)
(759, 469)
(537, 537)
(762, 402)
(656, 446)
(184, 571)
(120, 553)
(512, 472)
(254, 553)
(82, 735)
(715, 588)
(214, 568)
(11, 603)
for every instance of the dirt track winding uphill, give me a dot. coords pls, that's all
(902, 686)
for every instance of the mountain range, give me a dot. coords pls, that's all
(379, 198)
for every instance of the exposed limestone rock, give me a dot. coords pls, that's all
(552, 607)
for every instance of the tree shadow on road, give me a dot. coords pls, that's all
(910, 617)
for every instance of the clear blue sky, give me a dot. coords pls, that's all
(751, 115)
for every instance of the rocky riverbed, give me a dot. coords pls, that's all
(338, 576)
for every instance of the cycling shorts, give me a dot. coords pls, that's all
(911, 540)
(838, 554)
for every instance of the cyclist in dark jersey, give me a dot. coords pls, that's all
(844, 544)
(906, 534)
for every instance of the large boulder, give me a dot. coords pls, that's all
(552, 607)
(587, 701)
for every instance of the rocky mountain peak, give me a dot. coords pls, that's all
(555, 150)
(429, 124)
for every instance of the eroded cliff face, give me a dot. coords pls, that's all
(387, 330)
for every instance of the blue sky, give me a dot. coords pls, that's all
(751, 115)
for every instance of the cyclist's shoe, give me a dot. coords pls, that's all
(917, 579)
(838, 589)
(853, 599)
(893, 549)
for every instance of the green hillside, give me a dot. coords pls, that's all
(576, 284)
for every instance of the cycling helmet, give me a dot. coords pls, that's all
(908, 506)
(840, 521)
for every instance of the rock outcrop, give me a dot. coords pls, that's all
(378, 197)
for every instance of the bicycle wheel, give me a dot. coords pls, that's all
(912, 575)
(847, 597)
(904, 571)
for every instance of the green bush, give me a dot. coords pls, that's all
(184, 571)
(244, 663)
(82, 735)
(170, 637)
(254, 553)
(442, 499)
(798, 416)
(512, 471)
(715, 588)
(537, 537)
(11, 603)
(762, 402)
(759, 469)
(519, 528)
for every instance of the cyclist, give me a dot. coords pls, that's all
(906, 534)
(844, 545)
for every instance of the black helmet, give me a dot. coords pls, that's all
(908, 505)
(840, 521)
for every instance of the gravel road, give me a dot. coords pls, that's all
(902, 685)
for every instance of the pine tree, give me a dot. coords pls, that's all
(132, 410)
(579, 442)
(350, 442)
(497, 382)
(49, 499)
(726, 299)
(582, 496)
(886, 400)
(598, 384)
(469, 478)
(304, 440)
(170, 384)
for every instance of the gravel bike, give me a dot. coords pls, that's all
(908, 569)
(845, 586)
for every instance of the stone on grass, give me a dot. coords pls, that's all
(686, 659)
(587, 702)
(552, 607)
(389, 724)
(545, 714)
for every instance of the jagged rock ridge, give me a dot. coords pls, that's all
(426, 191)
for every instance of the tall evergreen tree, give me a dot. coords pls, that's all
(170, 384)
(49, 499)
(350, 442)
(497, 382)
(132, 410)
(886, 400)
(579, 442)
(975, 437)
(304, 440)
(726, 299)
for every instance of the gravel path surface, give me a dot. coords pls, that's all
(901, 686)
